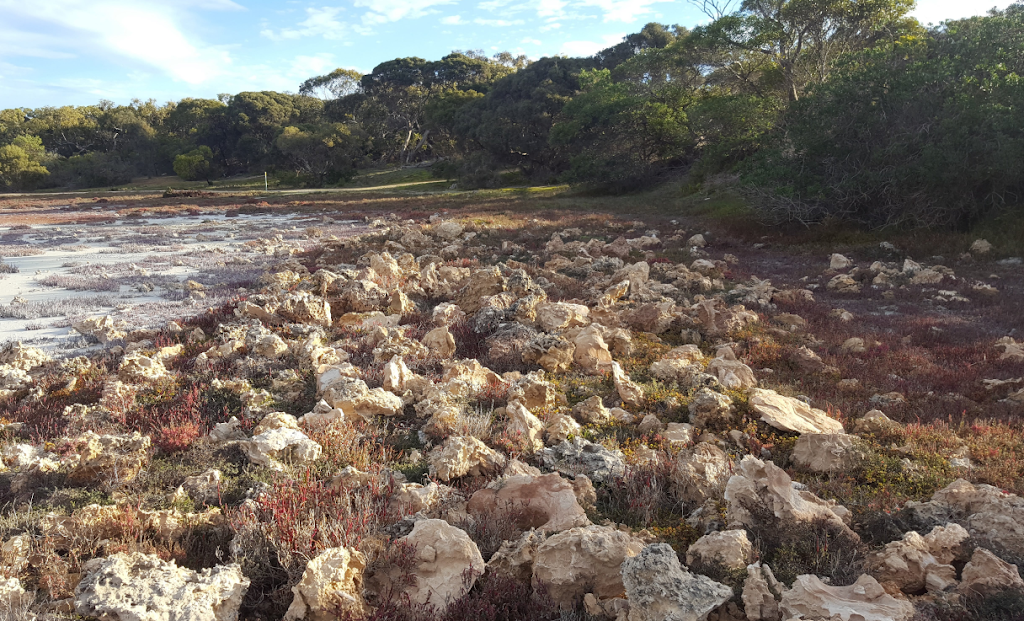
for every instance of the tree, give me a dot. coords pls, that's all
(802, 39)
(328, 152)
(336, 84)
(20, 163)
(195, 165)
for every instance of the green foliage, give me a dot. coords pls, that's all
(328, 152)
(924, 131)
(21, 163)
(194, 165)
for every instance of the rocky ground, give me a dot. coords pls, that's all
(505, 412)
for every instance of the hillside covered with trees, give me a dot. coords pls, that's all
(823, 109)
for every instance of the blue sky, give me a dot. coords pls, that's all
(56, 52)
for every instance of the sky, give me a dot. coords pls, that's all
(77, 52)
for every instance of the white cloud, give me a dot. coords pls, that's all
(384, 11)
(627, 11)
(453, 20)
(545, 9)
(500, 23)
(935, 11)
(553, 26)
(589, 48)
(322, 22)
(531, 41)
(146, 32)
(308, 66)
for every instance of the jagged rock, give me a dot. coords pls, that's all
(412, 498)
(987, 574)
(591, 353)
(554, 316)
(560, 427)
(304, 307)
(515, 558)
(854, 345)
(674, 370)
(653, 318)
(523, 422)
(354, 398)
(946, 543)
(864, 600)
(580, 456)
(482, 284)
(732, 373)
(760, 594)
(874, 421)
(141, 587)
(701, 473)
(697, 241)
(715, 322)
(139, 368)
(105, 329)
(230, 431)
(730, 549)
(270, 346)
(988, 513)
(583, 560)
(275, 420)
(650, 424)
(363, 296)
(807, 361)
(909, 564)
(446, 565)
(659, 589)
(547, 503)
(448, 230)
(629, 391)
(108, 459)
(1012, 350)
(709, 407)
(552, 353)
(534, 392)
(22, 357)
(678, 433)
(14, 599)
(843, 283)
(278, 447)
(763, 484)
(331, 584)
(591, 410)
(790, 414)
(440, 342)
(980, 246)
(464, 456)
(827, 452)
(202, 488)
(839, 262)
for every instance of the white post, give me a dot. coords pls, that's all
(266, 184)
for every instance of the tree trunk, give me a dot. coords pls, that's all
(408, 158)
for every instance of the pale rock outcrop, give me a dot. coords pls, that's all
(659, 589)
(483, 283)
(534, 391)
(231, 431)
(354, 398)
(730, 372)
(730, 549)
(864, 600)
(1012, 350)
(521, 421)
(874, 421)
(987, 512)
(653, 318)
(105, 329)
(946, 543)
(448, 230)
(281, 446)
(761, 592)
(807, 361)
(591, 353)
(591, 410)
(980, 246)
(141, 587)
(580, 456)
(678, 433)
(710, 407)
(515, 558)
(629, 391)
(447, 563)
(275, 420)
(839, 262)
(411, 498)
(854, 345)
(701, 473)
(202, 488)
(843, 283)
(827, 452)
(758, 483)
(464, 456)
(788, 414)
(714, 321)
(583, 560)
(397, 376)
(555, 316)
(552, 353)
(332, 583)
(139, 368)
(270, 346)
(14, 599)
(676, 370)
(23, 357)
(108, 459)
(304, 307)
(547, 503)
(987, 574)
(560, 427)
(440, 342)
(909, 564)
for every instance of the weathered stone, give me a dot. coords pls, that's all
(580, 456)
(591, 410)
(141, 587)
(732, 373)
(910, 565)
(591, 353)
(136, 367)
(105, 329)
(659, 589)
(202, 488)
(278, 447)
(275, 420)
(482, 284)
(760, 594)
(730, 549)
(672, 370)
(864, 600)
(629, 391)
(839, 262)
(709, 407)
(583, 560)
(553, 354)
(790, 414)
(1012, 350)
(547, 503)
(354, 398)
(22, 357)
(874, 421)
(987, 574)
(521, 421)
(464, 456)
(447, 564)
(827, 452)
(843, 283)
(440, 342)
(331, 584)
(701, 473)
(108, 460)
(560, 427)
(554, 316)
(515, 558)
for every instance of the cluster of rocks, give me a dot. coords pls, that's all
(366, 333)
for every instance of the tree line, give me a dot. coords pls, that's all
(822, 108)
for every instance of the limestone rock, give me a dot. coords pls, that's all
(464, 456)
(864, 600)
(987, 574)
(583, 560)
(22, 357)
(988, 513)
(552, 353)
(108, 459)
(105, 329)
(854, 345)
(521, 421)
(332, 583)
(447, 563)
(591, 353)
(547, 503)
(981, 246)
(555, 316)
(141, 587)
(839, 262)
(591, 410)
(354, 398)
(790, 414)
(710, 407)
(440, 342)
(732, 373)
(701, 473)
(515, 558)
(629, 391)
(482, 284)
(843, 283)
(1012, 350)
(275, 420)
(826, 452)
(580, 456)
(139, 368)
(874, 421)
(759, 483)
(760, 594)
(202, 488)
(659, 589)
(560, 427)
(909, 564)
(278, 447)
(448, 230)
(946, 543)
(730, 549)
(674, 370)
